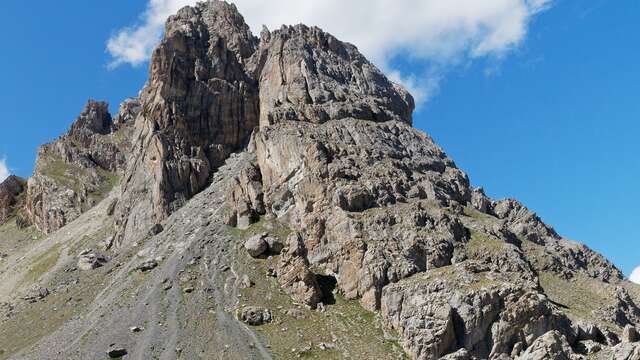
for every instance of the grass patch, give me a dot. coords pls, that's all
(481, 243)
(273, 227)
(28, 325)
(10, 233)
(64, 174)
(42, 265)
(473, 213)
(71, 175)
(579, 296)
(110, 180)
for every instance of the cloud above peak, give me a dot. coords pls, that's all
(635, 276)
(4, 170)
(440, 32)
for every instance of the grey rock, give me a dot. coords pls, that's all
(147, 265)
(245, 282)
(550, 346)
(630, 334)
(255, 316)
(256, 245)
(76, 171)
(155, 230)
(89, 260)
(36, 293)
(626, 351)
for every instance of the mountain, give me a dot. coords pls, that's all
(267, 197)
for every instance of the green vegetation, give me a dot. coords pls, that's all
(578, 296)
(26, 327)
(42, 265)
(110, 180)
(482, 243)
(65, 174)
(273, 227)
(11, 234)
(471, 212)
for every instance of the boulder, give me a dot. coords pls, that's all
(255, 316)
(89, 260)
(550, 346)
(630, 334)
(147, 265)
(116, 352)
(256, 245)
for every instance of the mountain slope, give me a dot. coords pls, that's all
(274, 201)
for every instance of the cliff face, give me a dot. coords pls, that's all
(279, 179)
(212, 83)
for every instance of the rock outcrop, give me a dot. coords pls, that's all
(212, 83)
(76, 171)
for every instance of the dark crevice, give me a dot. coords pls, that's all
(327, 285)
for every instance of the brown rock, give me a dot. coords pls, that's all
(294, 274)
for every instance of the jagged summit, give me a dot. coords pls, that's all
(94, 119)
(267, 197)
(212, 83)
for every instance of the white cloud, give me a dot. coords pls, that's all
(442, 32)
(635, 276)
(4, 170)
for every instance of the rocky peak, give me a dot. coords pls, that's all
(306, 74)
(94, 119)
(212, 82)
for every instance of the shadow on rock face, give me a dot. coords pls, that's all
(327, 284)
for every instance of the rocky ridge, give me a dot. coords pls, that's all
(333, 198)
(76, 171)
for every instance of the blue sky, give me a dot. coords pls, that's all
(549, 117)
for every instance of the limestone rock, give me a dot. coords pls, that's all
(317, 140)
(198, 107)
(626, 351)
(308, 75)
(116, 352)
(36, 293)
(246, 198)
(147, 265)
